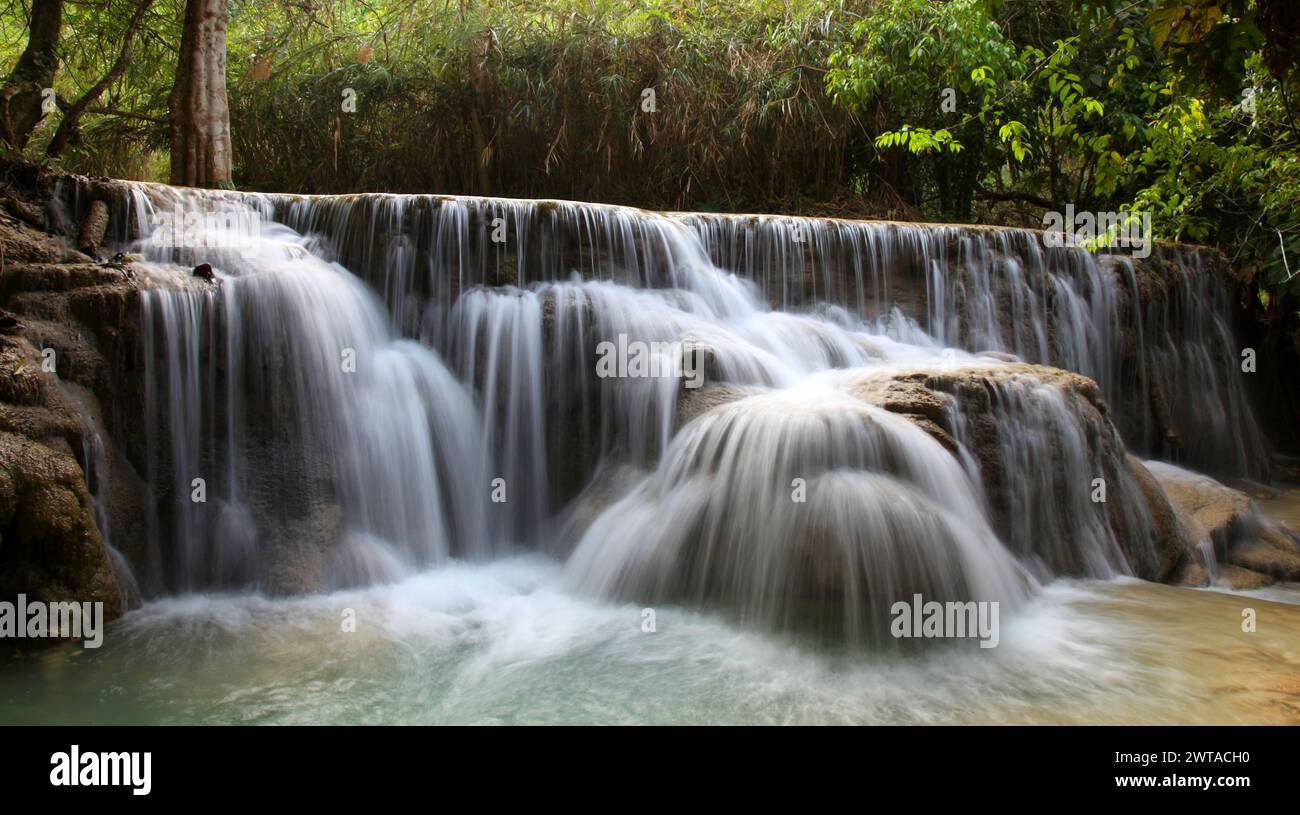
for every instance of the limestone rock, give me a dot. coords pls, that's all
(23, 244)
(1266, 558)
(78, 320)
(1173, 543)
(30, 213)
(1239, 579)
(1191, 574)
(1211, 510)
(93, 228)
(1039, 497)
(1226, 517)
(50, 549)
(21, 382)
(694, 402)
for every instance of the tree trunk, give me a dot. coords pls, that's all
(200, 113)
(23, 100)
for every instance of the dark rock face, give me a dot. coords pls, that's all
(80, 349)
(77, 321)
(50, 549)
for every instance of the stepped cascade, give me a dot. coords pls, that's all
(370, 385)
(1155, 334)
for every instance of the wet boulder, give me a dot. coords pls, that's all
(1226, 518)
(50, 549)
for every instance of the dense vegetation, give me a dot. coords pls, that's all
(967, 110)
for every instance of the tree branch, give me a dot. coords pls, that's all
(72, 117)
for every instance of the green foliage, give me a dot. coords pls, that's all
(522, 97)
(1210, 40)
(545, 99)
(1218, 173)
(905, 68)
(968, 110)
(128, 125)
(1024, 104)
(1143, 107)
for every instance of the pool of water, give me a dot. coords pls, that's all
(506, 643)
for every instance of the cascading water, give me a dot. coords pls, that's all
(95, 466)
(801, 508)
(448, 401)
(1158, 341)
(500, 339)
(283, 412)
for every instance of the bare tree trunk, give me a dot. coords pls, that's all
(200, 113)
(22, 101)
(72, 116)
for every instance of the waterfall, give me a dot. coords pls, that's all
(801, 509)
(280, 406)
(375, 384)
(94, 459)
(1155, 334)
(500, 339)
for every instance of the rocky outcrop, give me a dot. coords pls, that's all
(1079, 505)
(1218, 516)
(70, 319)
(1241, 579)
(910, 395)
(694, 402)
(50, 549)
(1209, 510)
(1274, 556)
(1174, 546)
